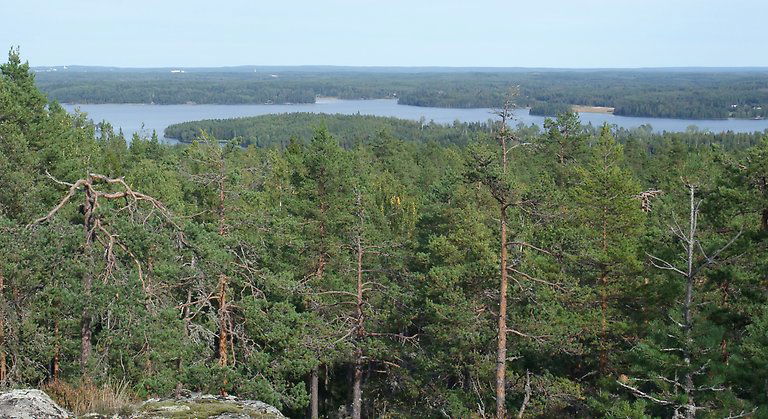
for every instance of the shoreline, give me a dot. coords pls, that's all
(593, 109)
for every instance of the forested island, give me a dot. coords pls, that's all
(353, 266)
(279, 130)
(664, 93)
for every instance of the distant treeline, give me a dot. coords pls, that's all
(664, 94)
(279, 130)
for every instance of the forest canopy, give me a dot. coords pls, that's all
(373, 270)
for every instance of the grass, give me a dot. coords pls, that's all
(84, 396)
(115, 398)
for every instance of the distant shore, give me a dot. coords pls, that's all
(592, 109)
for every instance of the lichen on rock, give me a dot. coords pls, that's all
(35, 404)
(206, 406)
(30, 404)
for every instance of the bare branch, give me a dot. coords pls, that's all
(525, 244)
(712, 259)
(525, 335)
(527, 396)
(637, 392)
(72, 189)
(742, 414)
(664, 265)
(530, 278)
(397, 336)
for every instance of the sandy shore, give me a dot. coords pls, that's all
(592, 109)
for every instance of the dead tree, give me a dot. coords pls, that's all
(696, 261)
(646, 197)
(96, 231)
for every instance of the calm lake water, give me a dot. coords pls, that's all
(145, 118)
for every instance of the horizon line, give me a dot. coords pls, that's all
(240, 66)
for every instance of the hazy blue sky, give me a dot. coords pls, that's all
(546, 33)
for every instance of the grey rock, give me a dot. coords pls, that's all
(30, 404)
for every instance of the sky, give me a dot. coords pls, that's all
(473, 33)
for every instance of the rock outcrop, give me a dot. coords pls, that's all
(35, 404)
(206, 406)
(30, 404)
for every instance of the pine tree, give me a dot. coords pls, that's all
(565, 140)
(610, 221)
(322, 181)
(97, 232)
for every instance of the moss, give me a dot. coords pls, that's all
(205, 408)
(200, 409)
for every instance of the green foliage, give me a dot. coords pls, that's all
(549, 108)
(280, 220)
(279, 130)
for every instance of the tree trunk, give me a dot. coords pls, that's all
(223, 280)
(764, 219)
(313, 390)
(55, 366)
(501, 354)
(187, 321)
(89, 232)
(501, 351)
(3, 365)
(223, 320)
(603, 360)
(314, 396)
(725, 289)
(603, 284)
(690, 411)
(357, 391)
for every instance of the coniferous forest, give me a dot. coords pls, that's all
(365, 267)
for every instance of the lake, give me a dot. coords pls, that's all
(145, 118)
